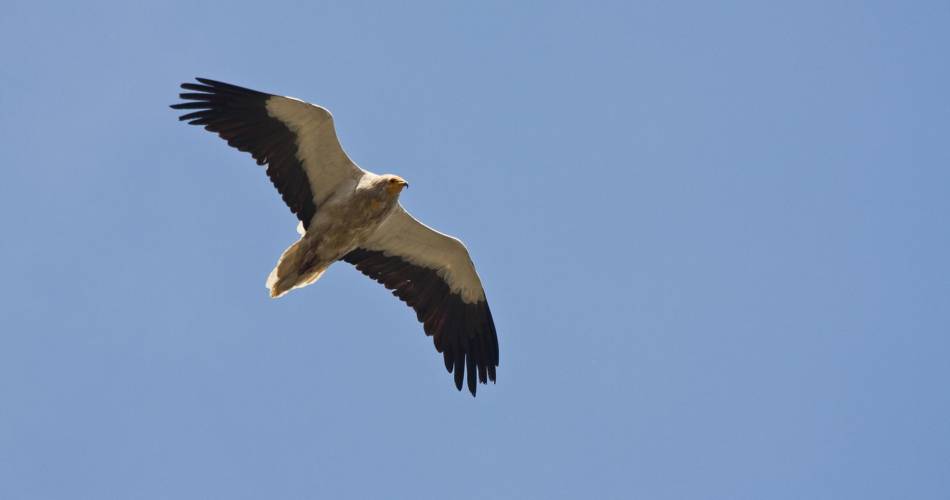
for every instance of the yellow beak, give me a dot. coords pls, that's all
(395, 187)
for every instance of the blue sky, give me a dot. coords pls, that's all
(713, 235)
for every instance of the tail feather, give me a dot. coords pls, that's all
(298, 267)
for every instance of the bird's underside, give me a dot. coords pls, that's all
(342, 224)
(352, 215)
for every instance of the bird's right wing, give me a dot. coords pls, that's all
(433, 273)
(295, 139)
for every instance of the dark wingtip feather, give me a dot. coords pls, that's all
(213, 83)
(459, 370)
(218, 85)
(197, 87)
(472, 381)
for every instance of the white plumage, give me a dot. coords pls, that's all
(349, 214)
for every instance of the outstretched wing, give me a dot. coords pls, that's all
(433, 274)
(295, 139)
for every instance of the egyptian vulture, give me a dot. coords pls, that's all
(349, 214)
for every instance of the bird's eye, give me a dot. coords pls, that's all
(392, 181)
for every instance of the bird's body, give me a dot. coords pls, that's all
(352, 215)
(345, 221)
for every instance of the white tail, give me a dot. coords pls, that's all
(298, 267)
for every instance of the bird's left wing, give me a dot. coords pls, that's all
(433, 273)
(296, 140)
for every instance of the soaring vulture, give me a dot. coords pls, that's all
(349, 214)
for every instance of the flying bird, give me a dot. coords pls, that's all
(352, 215)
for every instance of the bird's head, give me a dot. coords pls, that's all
(394, 184)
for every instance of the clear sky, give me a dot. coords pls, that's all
(714, 236)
